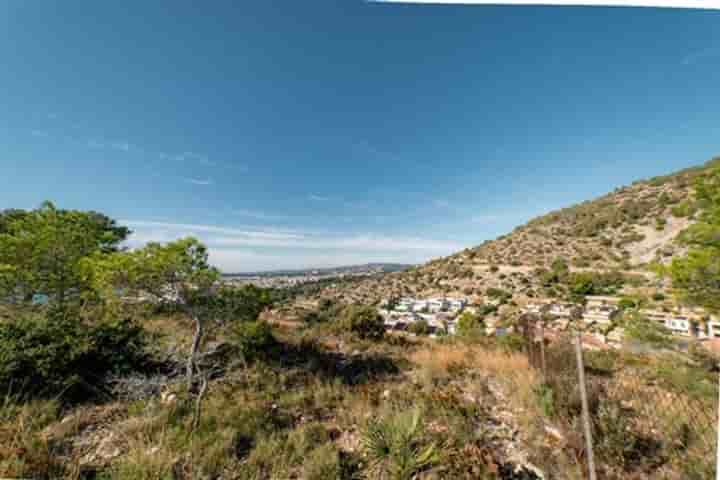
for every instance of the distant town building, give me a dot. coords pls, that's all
(684, 322)
(439, 313)
(601, 310)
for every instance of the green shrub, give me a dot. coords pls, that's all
(241, 303)
(323, 463)
(363, 321)
(312, 317)
(253, 340)
(511, 342)
(639, 329)
(469, 325)
(396, 447)
(545, 396)
(420, 327)
(49, 356)
(615, 441)
(684, 209)
(627, 303)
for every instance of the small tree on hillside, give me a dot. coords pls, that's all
(41, 251)
(175, 274)
(364, 321)
(469, 325)
(696, 276)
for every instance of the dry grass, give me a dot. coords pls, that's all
(441, 357)
(24, 451)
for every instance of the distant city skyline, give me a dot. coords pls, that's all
(290, 135)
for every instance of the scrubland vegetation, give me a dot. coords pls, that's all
(141, 364)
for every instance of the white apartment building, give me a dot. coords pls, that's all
(677, 323)
(561, 309)
(437, 305)
(601, 310)
(713, 326)
(456, 304)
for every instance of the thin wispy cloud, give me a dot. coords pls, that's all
(121, 145)
(187, 157)
(199, 181)
(97, 144)
(318, 198)
(195, 228)
(259, 215)
(230, 246)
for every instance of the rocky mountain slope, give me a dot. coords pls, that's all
(622, 231)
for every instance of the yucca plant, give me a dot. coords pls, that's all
(395, 447)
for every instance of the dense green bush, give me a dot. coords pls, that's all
(469, 325)
(241, 303)
(254, 340)
(511, 342)
(684, 209)
(642, 330)
(363, 321)
(47, 356)
(420, 327)
(326, 311)
(312, 317)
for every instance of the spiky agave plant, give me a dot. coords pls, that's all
(395, 447)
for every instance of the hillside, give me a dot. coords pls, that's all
(143, 367)
(622, 231)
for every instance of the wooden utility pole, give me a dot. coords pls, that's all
(542, 351)
(585, 407)
(544, 314)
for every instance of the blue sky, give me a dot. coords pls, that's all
(294, 134)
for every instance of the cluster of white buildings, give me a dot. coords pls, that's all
(686, 322)
(439, 313)
(601, 311)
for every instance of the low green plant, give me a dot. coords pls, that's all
(545, 396)
(363, 321)
(253, 340)
(323, 463)
(24, 452)
(511, 342)
(640, 329)
(396, 447)
(615, 441)
(65, 356)
(470, 325)
(420, 327)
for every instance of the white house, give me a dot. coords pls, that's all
(437, 305)
(456, 304)
(713, 325)
(601, 310)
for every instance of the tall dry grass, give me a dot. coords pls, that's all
(443, 357)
